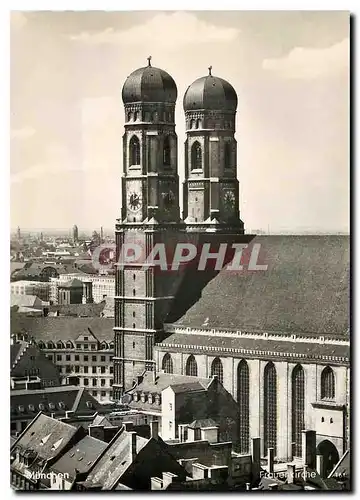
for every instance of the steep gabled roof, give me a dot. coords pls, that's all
(305, 289)
(80, 457)
(62, 328)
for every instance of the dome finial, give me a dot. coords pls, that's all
(210, 68)
(149, 60)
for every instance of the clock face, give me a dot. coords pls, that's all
(229, 200)
(168, 199)
(134, 201)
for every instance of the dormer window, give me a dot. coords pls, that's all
(59, 345)
(61, 405)
(143, 397)
(31, 407)
(41, 407)
(52, 406)
(21, 408)
(89, 404)
(150, 399)
(136, 396)
(157, 399)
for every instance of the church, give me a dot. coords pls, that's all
(277, 338)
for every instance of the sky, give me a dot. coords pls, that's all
(289, 69)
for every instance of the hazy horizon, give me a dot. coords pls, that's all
(289, 68)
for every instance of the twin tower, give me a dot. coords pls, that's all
(145, 299)
(150, 186)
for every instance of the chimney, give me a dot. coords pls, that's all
(132, 436)
(168, 478)
(69, 413)
(154, 429)
(247, 486)
(128, 426)
(255, 458)
(309, 448)
(273, 486)
(270, 458)
(305, 473)
(290, 473)
(320, 465)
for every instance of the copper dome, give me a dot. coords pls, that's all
(210, 92)
(149, 84)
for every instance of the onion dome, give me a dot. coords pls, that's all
(210, 93)
(149, 84)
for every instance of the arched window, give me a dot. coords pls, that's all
(243, 400)
(59, 345)
(327, 383)
(217, 369)
(298, 407)
(167, 364)
(270, 407)
(196, 156)
(136, 115)
(166, 151)
(191, 366)
(134, 151)
(192, 123)
(227, 155)
(41, 345)
(129, 117)
(198, 123)
(50, 345)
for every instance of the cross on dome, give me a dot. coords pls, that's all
(149, 60)
(210, 68)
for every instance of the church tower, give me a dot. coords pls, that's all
(150, 215)
(211, 188)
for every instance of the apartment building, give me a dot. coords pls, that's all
(81, 348)
(39, 288)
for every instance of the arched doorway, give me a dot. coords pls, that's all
(331, 456)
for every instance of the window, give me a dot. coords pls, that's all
(270, 408)
(68, 357)
(93, 358)
(227, 155)
(170, 426)
(170, 406)
(134, 292)
(198, 124)
(103, 382)
(93, 347)
(327, 383)
(103, 394)
(102, 369)
(69, 345)
(196, 156)
(94, 369)
(133, 314)
(94, 393)
(86, 338)
(94, 382)
(86, 358)
(78, 346)
(77, 357)
(103, 358)
(86, 346)
(58, 357)
(298, 406)
(133, 345)
(217, 369)
(77, 369)
(86, 369)
(166, 151)
(68, 369)
(59, 345)
(111, 369)
(167, 364)
(111, 381)
(50, 345)
(49, 357)
(191, 366)
(243, 386)
(134, 151)
(86, 381)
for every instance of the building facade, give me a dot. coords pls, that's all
(82, 349)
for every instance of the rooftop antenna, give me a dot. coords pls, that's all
(210, 68)
(149, 60)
